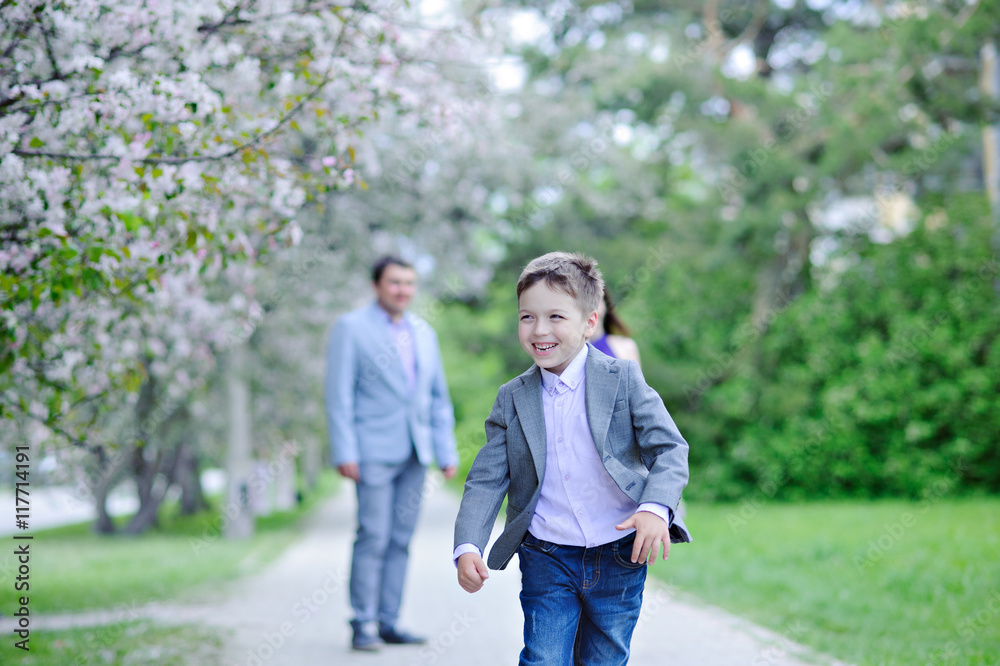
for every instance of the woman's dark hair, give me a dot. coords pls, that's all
(613, 325)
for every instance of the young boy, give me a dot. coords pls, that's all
(592, 466)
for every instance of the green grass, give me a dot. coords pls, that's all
(887, 582)
(126, 644)
(73, 569)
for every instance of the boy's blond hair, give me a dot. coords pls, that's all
(572, 273)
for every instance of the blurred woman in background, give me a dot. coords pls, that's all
(612, 335)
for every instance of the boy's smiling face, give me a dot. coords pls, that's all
(551, 326)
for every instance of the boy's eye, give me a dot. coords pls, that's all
(523, 317)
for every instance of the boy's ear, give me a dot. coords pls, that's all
(591, 323)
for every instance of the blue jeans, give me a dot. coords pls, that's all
(389, 498)
(580, 604)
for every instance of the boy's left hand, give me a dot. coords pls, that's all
(650, 532)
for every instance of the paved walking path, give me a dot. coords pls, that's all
(295, 612)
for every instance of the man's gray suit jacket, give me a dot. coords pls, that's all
(372, 415)
(641, 448)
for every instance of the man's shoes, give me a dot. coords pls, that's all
(364, 639)
(395, 636)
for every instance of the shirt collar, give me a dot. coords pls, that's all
(571, 376)
(388, 319)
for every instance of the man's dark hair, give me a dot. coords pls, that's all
(388, 260)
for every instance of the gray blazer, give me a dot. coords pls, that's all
(641, 448)
(371, 414)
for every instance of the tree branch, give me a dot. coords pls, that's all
(120, 52)
(42, 103)
(50, 52)
(231, 18)
(19, 33)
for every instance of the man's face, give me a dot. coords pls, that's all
(551, 326)
(395, 289)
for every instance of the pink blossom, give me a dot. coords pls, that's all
(127, 112)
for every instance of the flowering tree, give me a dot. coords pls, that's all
(144, 150)
(151, 153)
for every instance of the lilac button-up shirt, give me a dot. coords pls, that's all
(579, 503)
(402, 340)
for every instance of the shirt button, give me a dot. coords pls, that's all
(566, 477)
(580, 512)
(591, 544)
(559, 440)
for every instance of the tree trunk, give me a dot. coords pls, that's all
(785, 277)
(240, 524)
(186, 477)
(989, 84)
(103, 523)
(144, 470)
(147, 472)
(313, 462)
(780, 282)
(285, 491)
(109, 470)
(156, 461)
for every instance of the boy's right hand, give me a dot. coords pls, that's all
(472, 572)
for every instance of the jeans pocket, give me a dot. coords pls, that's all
(623, 554)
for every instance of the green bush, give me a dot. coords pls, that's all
(884, 384)
(878, 381)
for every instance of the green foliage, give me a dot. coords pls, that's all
(802, 251)
(890, 583)
(121, 644)
(882, 384)
(479, 364)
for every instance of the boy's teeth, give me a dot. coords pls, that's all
(544, 347)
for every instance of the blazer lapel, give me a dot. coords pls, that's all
(528, 405)
(602, 387)
(384, 345)
(423, 350)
